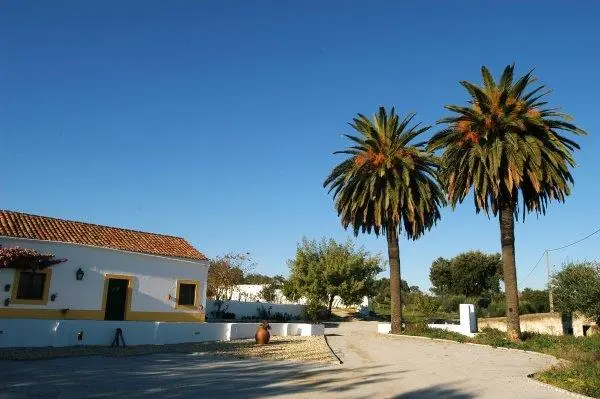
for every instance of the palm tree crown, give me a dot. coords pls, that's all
(506, 142)
(386, 181)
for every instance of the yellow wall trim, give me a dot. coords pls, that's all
(75, 314)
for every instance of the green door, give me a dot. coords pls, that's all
(116, 298)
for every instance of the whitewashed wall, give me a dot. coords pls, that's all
(155, 277)
(21, 333)
(250, 309)
(467, 326)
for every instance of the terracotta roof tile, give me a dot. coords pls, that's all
(22, 225)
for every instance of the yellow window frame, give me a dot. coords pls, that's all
(15, 288)
(196, 304)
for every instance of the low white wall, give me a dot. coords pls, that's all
(40, 333)
(250, 309)
(467, 326)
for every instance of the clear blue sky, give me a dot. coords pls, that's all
(216, 121)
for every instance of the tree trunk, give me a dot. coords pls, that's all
(394, 260)
(507, 239)
(330, 305)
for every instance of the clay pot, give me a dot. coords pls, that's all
(262, 335)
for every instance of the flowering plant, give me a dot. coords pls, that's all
(23, 258)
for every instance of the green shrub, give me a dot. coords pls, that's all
(493, 337)
(580, 377)
(422, 330)
(451, 303)
(314, 311)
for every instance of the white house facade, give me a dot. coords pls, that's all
(109, 274)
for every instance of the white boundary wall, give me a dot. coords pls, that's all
(467, 326)
(39, 333)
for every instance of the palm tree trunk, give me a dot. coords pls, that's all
(507, 239)
(394, 260)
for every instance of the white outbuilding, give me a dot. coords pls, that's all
(110, 273)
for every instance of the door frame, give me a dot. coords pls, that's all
(130, 282)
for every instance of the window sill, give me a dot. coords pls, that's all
(29, 301)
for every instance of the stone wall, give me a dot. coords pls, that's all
(543, 323)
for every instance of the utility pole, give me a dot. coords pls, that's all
(548, 269)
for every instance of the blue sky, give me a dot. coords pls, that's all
(216, 121)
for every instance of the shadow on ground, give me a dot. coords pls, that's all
(438, 391)
(177, 375)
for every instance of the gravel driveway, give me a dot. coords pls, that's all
(374, 366)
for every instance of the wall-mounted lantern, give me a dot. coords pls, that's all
(79, 274)
(7, 288)
(53, 297)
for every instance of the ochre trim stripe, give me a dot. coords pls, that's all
(73, 314)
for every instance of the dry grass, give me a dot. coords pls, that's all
(301, 349)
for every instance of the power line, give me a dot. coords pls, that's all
(556, 249)
(533, 268)
(576, 242)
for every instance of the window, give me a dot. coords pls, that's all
(31, 285)
(187, 294)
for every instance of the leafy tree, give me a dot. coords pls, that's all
(510, 149)
(322, 270)
(269, 292)
(577, 289)
(224, 273)
(425, 304)
(471, 274)
(440, 276)
(534, 301)
(382, 289)
(257, 278)
(386, 183)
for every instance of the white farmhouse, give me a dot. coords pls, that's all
(109, 274)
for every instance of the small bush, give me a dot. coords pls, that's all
(281, 317)
(314, 311)
(493, 337)
(421, 329)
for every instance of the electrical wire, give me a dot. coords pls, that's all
(557, 249)
(576, 242)
(533, 268)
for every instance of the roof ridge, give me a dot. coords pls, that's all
(92, 224)
(27, 225)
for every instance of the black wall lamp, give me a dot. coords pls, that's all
(79, 274)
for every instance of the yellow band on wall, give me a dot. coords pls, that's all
(74, 314)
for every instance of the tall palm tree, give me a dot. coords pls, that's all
(509, 147)
(386, 183)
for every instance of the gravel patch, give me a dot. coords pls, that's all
(301, 349)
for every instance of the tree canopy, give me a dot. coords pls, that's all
(387, 183)
(511, 149)
(323, 269)
(224, 273)
(257, 278)
(471, 273)
(382, 291)
(576, 288)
